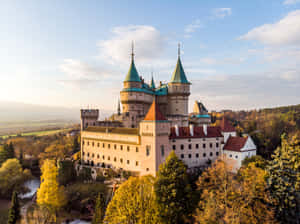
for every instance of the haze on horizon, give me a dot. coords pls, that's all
(238, 54)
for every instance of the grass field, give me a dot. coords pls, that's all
(38, 133)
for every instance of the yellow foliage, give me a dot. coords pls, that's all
(50, 194)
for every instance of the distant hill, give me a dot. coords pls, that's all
(12, 111)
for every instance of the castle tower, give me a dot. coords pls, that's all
(154, 132)
(134, 100)
(178, 91)
(88, 117)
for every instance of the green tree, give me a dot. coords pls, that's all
(284, 180)
(50, 195)
(14, 211)
(133, 203)
(172, 189)
(12, 176)
(99, 210)
(10, 150)
(6, 152)
(66, 171)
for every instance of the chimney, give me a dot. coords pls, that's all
(205, 129)
(192, 129)
(176, 130)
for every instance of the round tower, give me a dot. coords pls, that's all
(178, 91)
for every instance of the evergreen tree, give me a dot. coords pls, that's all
(172, 189)
(99, 210)
(6, 152)
(14, 211)
(10, 150)
(284, 180)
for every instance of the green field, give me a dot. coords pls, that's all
(38, 133)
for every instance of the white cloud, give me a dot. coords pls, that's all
(209, 61)
(80, 74)
(148, 44)
(291, 2)
(191, 28)
(222, 12)
(284, 32)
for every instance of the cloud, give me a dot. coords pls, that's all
(284, 32)
(191, 28)
(80, 74)
(148, 44)
(222, 12)
(245, 91)
(291, 2)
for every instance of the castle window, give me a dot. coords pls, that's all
(147, 150)
(83, 153)
(204, 154)
(217, 139)
(189, 140)
(103, 145)
(132, 126)
(174, 147)
(197, 146)
(98, 144)
(190, 155)
(204, 145)
(132, 118)
(115, 159)
(230, 155)
(128, 148)
(190, 146)
(121, 147)
(93, 155)
(137, 149)
(93, 144)
(182, 156)
(147, 169)
(108, 146)
(236, 157)
(217, 145)
(108, 158)
(88, 143)
(182, 147)
(98, 164)
(136, 163)
(204, 139)
(162, 149)
(98, 156)
(210, 145)
(88, 154)
(103, 157)
(121, 160)
(197, 155)
(211, 154)
(128, 161)
(83, 142)
(174, 140)
(217, 153)
(108, 166)
(115, 146)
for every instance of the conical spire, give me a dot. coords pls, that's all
(119, 107)
(132, 75)
(152, 85)
(179, 74)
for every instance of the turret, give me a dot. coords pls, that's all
(88, 117)
(132, 79)
(178, 90)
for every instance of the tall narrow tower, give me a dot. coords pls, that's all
(178, 91)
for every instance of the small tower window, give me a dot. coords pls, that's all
(162, 149)
(148, 150)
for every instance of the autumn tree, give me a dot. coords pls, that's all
(12, 176)
(50, 195)
(6, 152)
(133, 202)
(99, 210)
(14, 211)
(227, 198)
(172, 190)
(284, 180)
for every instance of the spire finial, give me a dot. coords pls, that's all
(119, 107)
(179, 49)
(132, 50)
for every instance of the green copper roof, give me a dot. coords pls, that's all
(179, 75)
(132, 75)
(152, 86)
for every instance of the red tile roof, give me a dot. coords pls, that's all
(154, 113)
(226, 126)
(184, 132)
(235, 143)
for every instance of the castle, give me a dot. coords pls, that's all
(153, 122)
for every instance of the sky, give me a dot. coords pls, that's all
(71, 53)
